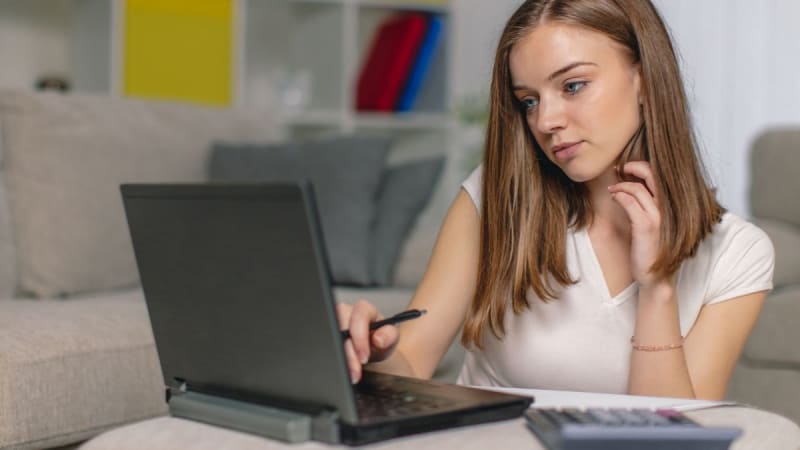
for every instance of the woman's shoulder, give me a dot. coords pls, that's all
(737, 258)
(733, 230)
(733, 237)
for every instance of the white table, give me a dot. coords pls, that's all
(762, 431)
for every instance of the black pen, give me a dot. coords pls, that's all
(395, 319)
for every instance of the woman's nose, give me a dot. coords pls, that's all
(551, 116)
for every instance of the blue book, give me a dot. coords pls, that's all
(422, 64)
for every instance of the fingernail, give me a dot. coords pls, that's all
(353, 376)
(378, 341)
(363, 357)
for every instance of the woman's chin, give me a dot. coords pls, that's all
(580, 176)
(583, 174)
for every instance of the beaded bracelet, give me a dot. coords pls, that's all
(655, 348)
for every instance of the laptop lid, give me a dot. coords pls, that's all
(234, 308)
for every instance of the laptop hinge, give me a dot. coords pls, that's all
(263, 420)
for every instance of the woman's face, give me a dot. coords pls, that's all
(581, 94)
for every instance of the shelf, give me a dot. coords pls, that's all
(432, 6)
(283, 50)
(319, 118)
(383, 121)
(405, 121)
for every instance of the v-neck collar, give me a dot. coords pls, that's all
(597, 278)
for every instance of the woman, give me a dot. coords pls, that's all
(587, 252)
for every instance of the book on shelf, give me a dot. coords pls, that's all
(422, 64)
(393, 52)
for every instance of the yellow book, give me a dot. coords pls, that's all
(179, 50)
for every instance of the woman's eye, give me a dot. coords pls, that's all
(574, 86)
(530, 103)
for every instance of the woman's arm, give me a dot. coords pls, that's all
(715, 342)
(703, 366)
(661, 366)
(445, 292)
(663, 372)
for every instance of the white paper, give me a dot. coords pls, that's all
(544, 398)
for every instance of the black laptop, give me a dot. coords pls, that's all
(238, 290)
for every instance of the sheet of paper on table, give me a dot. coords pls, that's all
(544, 398)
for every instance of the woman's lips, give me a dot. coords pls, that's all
(565, 152)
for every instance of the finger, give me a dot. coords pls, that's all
(343, 315)
(384, 339)
(640, 193)
(631, 206)
(643, 171)
(353, 364)
(362, 314)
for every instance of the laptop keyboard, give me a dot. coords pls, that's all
(385, 401)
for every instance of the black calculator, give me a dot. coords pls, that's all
(624, 429)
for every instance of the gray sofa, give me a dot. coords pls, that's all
(76, 351)
(768, 373)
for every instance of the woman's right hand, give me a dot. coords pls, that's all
(364, 347)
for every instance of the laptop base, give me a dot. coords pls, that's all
(281, 424)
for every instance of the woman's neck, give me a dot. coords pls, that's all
(608, 215)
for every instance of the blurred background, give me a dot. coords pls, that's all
(304, 57)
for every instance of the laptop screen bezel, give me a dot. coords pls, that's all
(281, 206)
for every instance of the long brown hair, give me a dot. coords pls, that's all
(528, 203)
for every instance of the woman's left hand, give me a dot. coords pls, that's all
(640, 202)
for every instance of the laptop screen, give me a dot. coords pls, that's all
(238, 292)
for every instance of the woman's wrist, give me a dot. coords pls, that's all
(661, 291)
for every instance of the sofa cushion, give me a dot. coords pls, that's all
(772, 389)
(69, 370)
(346, 173)
(774, 182)
(8, 257)
(64, 158)
(406, 189)
(776, 334)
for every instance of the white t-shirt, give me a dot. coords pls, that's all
(581, 341)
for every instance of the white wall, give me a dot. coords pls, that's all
(741, 62)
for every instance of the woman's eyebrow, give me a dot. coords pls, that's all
(567, 68)
(556, 74)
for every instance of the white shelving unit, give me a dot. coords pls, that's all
(276, 42)
(325, 41)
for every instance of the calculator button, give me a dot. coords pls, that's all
(652, 417)
(577, 415)
(556, 417)
(605, 416)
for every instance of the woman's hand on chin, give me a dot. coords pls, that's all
(640, 202)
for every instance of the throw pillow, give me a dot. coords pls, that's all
(64, 157)
(405, 191)
(346, 173)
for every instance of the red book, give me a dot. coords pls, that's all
(389, 62)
